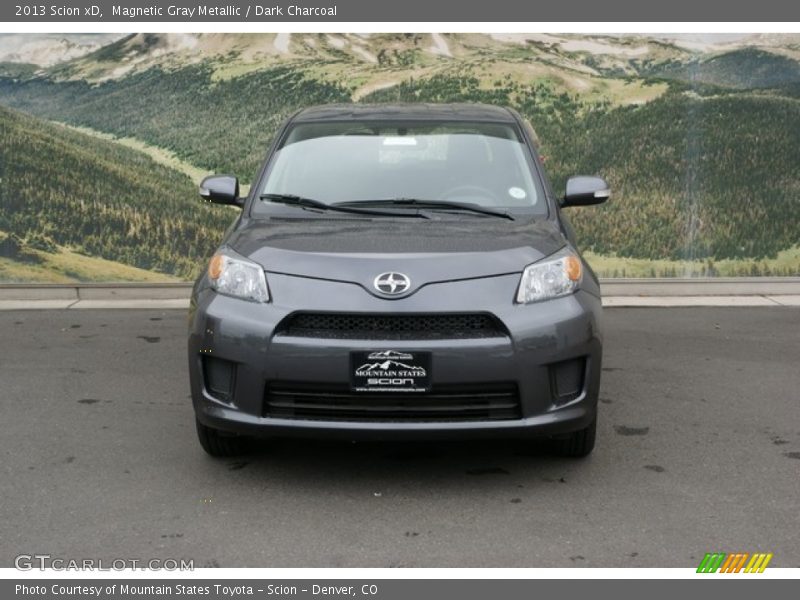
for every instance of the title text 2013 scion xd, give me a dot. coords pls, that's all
(398, 271)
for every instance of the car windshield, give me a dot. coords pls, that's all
(485, 164)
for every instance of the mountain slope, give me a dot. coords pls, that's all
(745, 68)
(692, 176)
(224, 126)
(64, 190)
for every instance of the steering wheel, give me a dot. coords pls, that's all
(469, 191)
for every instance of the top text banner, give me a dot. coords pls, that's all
(109, 11)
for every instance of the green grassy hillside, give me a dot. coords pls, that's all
(65, 193)
(61, 265)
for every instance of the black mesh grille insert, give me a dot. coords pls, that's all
(332, 402)
(393, 326)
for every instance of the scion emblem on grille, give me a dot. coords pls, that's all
(392, 283)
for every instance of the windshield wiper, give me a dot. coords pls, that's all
(294, 200)
(430, 205)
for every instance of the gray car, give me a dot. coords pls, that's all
(396, 272)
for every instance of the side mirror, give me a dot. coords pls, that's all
(221, 189)
(584, 191)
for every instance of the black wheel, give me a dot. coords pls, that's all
(577, 444)
(219, 444)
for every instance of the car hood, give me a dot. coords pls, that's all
(356, 250)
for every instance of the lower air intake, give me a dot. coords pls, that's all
(332, 402)
(566, 379)
(218, 375)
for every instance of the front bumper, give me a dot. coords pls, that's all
(536, 337)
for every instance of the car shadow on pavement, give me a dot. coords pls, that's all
(389, 463)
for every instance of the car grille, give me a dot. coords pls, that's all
(392, 326)
(332, 402)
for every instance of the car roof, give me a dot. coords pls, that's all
(405, 112)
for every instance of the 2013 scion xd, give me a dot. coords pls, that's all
(398, 271)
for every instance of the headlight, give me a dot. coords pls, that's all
(238, 277)
(554, 277)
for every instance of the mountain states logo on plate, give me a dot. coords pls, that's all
(389, 370)
(388, 364)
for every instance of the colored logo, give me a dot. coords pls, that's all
(740, 562)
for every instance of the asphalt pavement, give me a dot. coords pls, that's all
(698, 450)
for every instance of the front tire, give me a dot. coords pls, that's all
(219, 444)
(578, 444)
